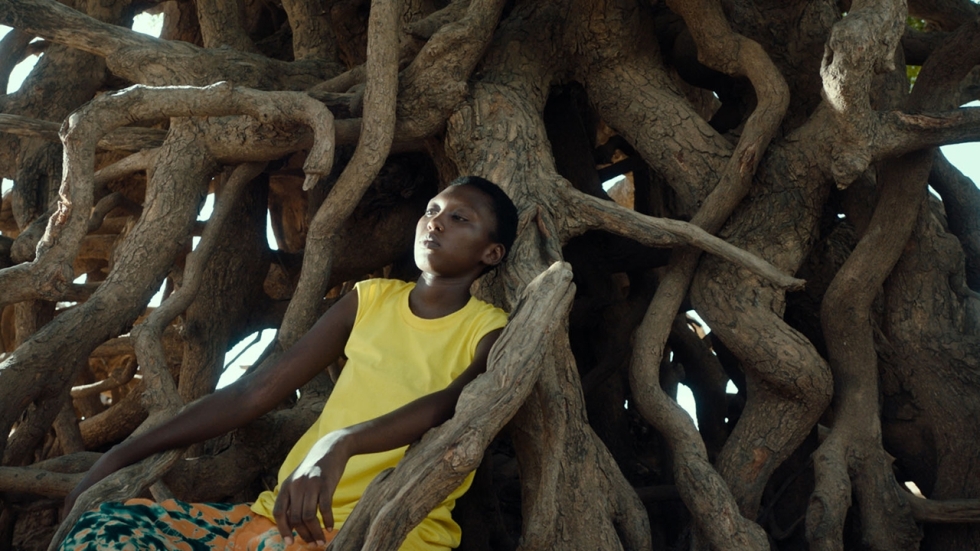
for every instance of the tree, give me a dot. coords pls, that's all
(779, 137)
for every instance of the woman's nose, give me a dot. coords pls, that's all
(435, 223)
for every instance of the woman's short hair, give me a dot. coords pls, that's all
(505, 230)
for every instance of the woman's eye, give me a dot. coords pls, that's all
(459, 218)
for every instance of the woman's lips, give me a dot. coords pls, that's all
(430, 242)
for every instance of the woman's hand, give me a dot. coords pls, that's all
(310, 488)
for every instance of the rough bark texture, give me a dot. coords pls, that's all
(763, 143)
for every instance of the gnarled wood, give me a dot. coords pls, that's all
(379, 104)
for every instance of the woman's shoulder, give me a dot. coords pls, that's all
(381, 285)
(487, 313)
(379, 290)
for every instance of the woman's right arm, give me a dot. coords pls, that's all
(239, 403)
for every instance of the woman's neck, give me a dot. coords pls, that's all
(438, 297)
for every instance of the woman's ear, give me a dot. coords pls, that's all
(494, 254)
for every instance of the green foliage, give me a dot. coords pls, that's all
(912, 71)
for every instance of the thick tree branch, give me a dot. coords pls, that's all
(221, 24)
(160, 396)
(61, 24)
(899, 133)
(119, 486)
(860, 45)
(425, 28)
(32, 480)
(148, 60)
(726, 51)
(193, 168)
(140, 161)
(25, 245)
(66, 429)
(26, 126)
(182, 166)
(313, 36)
(437, 79)
(952, 511)
(409, 49)
(633, 93)
(125, 139)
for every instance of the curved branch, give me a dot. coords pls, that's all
(423, 28)
(50, 274)
(181, 174)
(106, 205)
(717, 512)
(25, 244)
(593, 213)
(499, 134)
(119, 486)
(116, 379)
(378, 128)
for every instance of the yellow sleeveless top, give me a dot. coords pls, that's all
(393, 358)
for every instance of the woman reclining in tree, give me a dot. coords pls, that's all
(411, 348)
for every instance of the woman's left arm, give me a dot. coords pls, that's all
(311, 486)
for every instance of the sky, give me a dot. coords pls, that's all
(966, 157)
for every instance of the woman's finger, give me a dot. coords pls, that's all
(311, 530)
(279, 512)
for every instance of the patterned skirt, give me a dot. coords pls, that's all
(141, 524)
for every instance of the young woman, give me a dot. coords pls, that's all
(411, 348)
